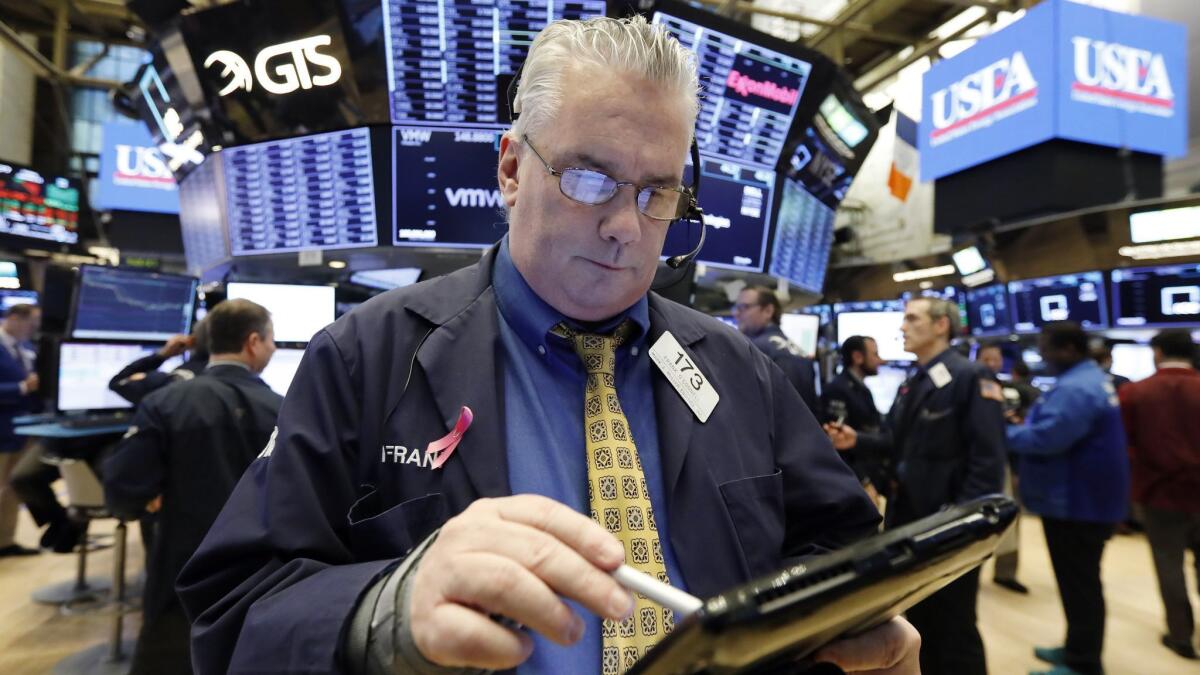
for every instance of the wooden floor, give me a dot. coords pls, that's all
(34, 637)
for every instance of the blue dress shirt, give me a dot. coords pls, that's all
(543, 390)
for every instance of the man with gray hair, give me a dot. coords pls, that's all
(945, 435)
(423, 505)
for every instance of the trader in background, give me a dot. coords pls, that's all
(1162, 423)
(18, 389)
(1074, 473)
(758, 313)
(187, 448)
(847, 400)
(1103, 356)
(946, 435)
(138, 379)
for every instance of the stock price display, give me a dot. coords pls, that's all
(37, 206)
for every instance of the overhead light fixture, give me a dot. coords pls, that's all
(969, 260)
(926, 273)
(979, 278)
(1173, 249)
(337, 264)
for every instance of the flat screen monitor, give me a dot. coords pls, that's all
(297, 312)
(444, 188)
(824, 312)
(301, 194)
(448, 62)
(880, 320)
(803, 237)
(10, 299)
(202, 219)
(988, 310)
(736, 199)
(848, 128)
(85, 368)
(884, 386)
(119, 304)
(1156, 296)
(1164, 225)
(281, 369)
(1068, 297)
(750, 91)
(1133, 361)
(969, 260)
(802, 329)
(388, 279)
(38, 206)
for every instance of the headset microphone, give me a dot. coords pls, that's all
(693, 214)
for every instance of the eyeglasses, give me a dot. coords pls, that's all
(595, 188)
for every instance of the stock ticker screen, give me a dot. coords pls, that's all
(118, 304)
(803, 237)
(447, 59)
(445, 191)
(988, 310)
(38, 206)
(305, 193)
(1069, 297)
(1156, 296)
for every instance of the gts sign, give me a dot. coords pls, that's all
(280, 69)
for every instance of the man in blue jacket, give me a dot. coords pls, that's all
(441, 444)
(1075, 475)
(18, 396)
(758, 313)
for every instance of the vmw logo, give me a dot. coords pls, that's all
(1118, 76)
(142, 167)
(415, 137)
(474, 197)
(293, 74)
(996, 91)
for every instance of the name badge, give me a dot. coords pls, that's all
(939, 375)
(693, 387)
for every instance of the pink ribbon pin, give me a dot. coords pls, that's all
(445, 446)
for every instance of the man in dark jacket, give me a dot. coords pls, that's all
(847, 400)
(18, 389)
(758, 313)
(187, 448)
(139, 379)
(945, 433)
(1075, 475)
(1160, 415)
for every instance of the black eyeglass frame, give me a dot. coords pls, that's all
(686, 203)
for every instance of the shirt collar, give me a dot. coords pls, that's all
(227, 362)
(1179, 365)
(532, 318)
(9, 341)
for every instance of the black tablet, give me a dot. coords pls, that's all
(784, 617)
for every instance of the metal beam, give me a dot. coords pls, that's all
(851, 27)
(868, 83)
(45, 69)
(849, 13)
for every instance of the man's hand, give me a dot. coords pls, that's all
(512, 557)
(844, 436)
(30, 383)
(893, 648)
(176, 345)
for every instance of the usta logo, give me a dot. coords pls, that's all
(987, 90)
(293, 74)
(1121, 71)
(141, 165)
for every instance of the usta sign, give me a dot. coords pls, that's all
(292, 73)
(993, 92)
(1119, 76)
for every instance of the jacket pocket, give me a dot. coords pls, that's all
(755, 506)
(394, 532)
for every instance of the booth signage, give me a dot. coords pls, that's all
(134, 175)
(1063, 71)
(279, 75)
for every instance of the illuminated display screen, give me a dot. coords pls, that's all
(736, 200)
(38, 206)
(988, 310)
(1070, 297)
(1156, 296)
(803, 238)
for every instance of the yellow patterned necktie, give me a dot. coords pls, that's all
(618, 497)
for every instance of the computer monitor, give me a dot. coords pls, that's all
(1133, 361)
(1181, 222)
(300, 194)
(10, 299)
(1156, 296)
(444, 188)
(1068, 297)
(988, 310)
(281, 369)
(884, 386)
(736, 199)
(880, 320)
(202, 219)
(297, 312)
(803, 237)
(802, 329)
(451, 68)
(38, 206)
(388, 279)
(113, 303)
(969, 261)
(84, 371)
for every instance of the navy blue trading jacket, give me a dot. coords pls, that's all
(343, 491)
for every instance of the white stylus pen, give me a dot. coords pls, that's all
(673, 599)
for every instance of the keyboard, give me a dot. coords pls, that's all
(94, 421)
